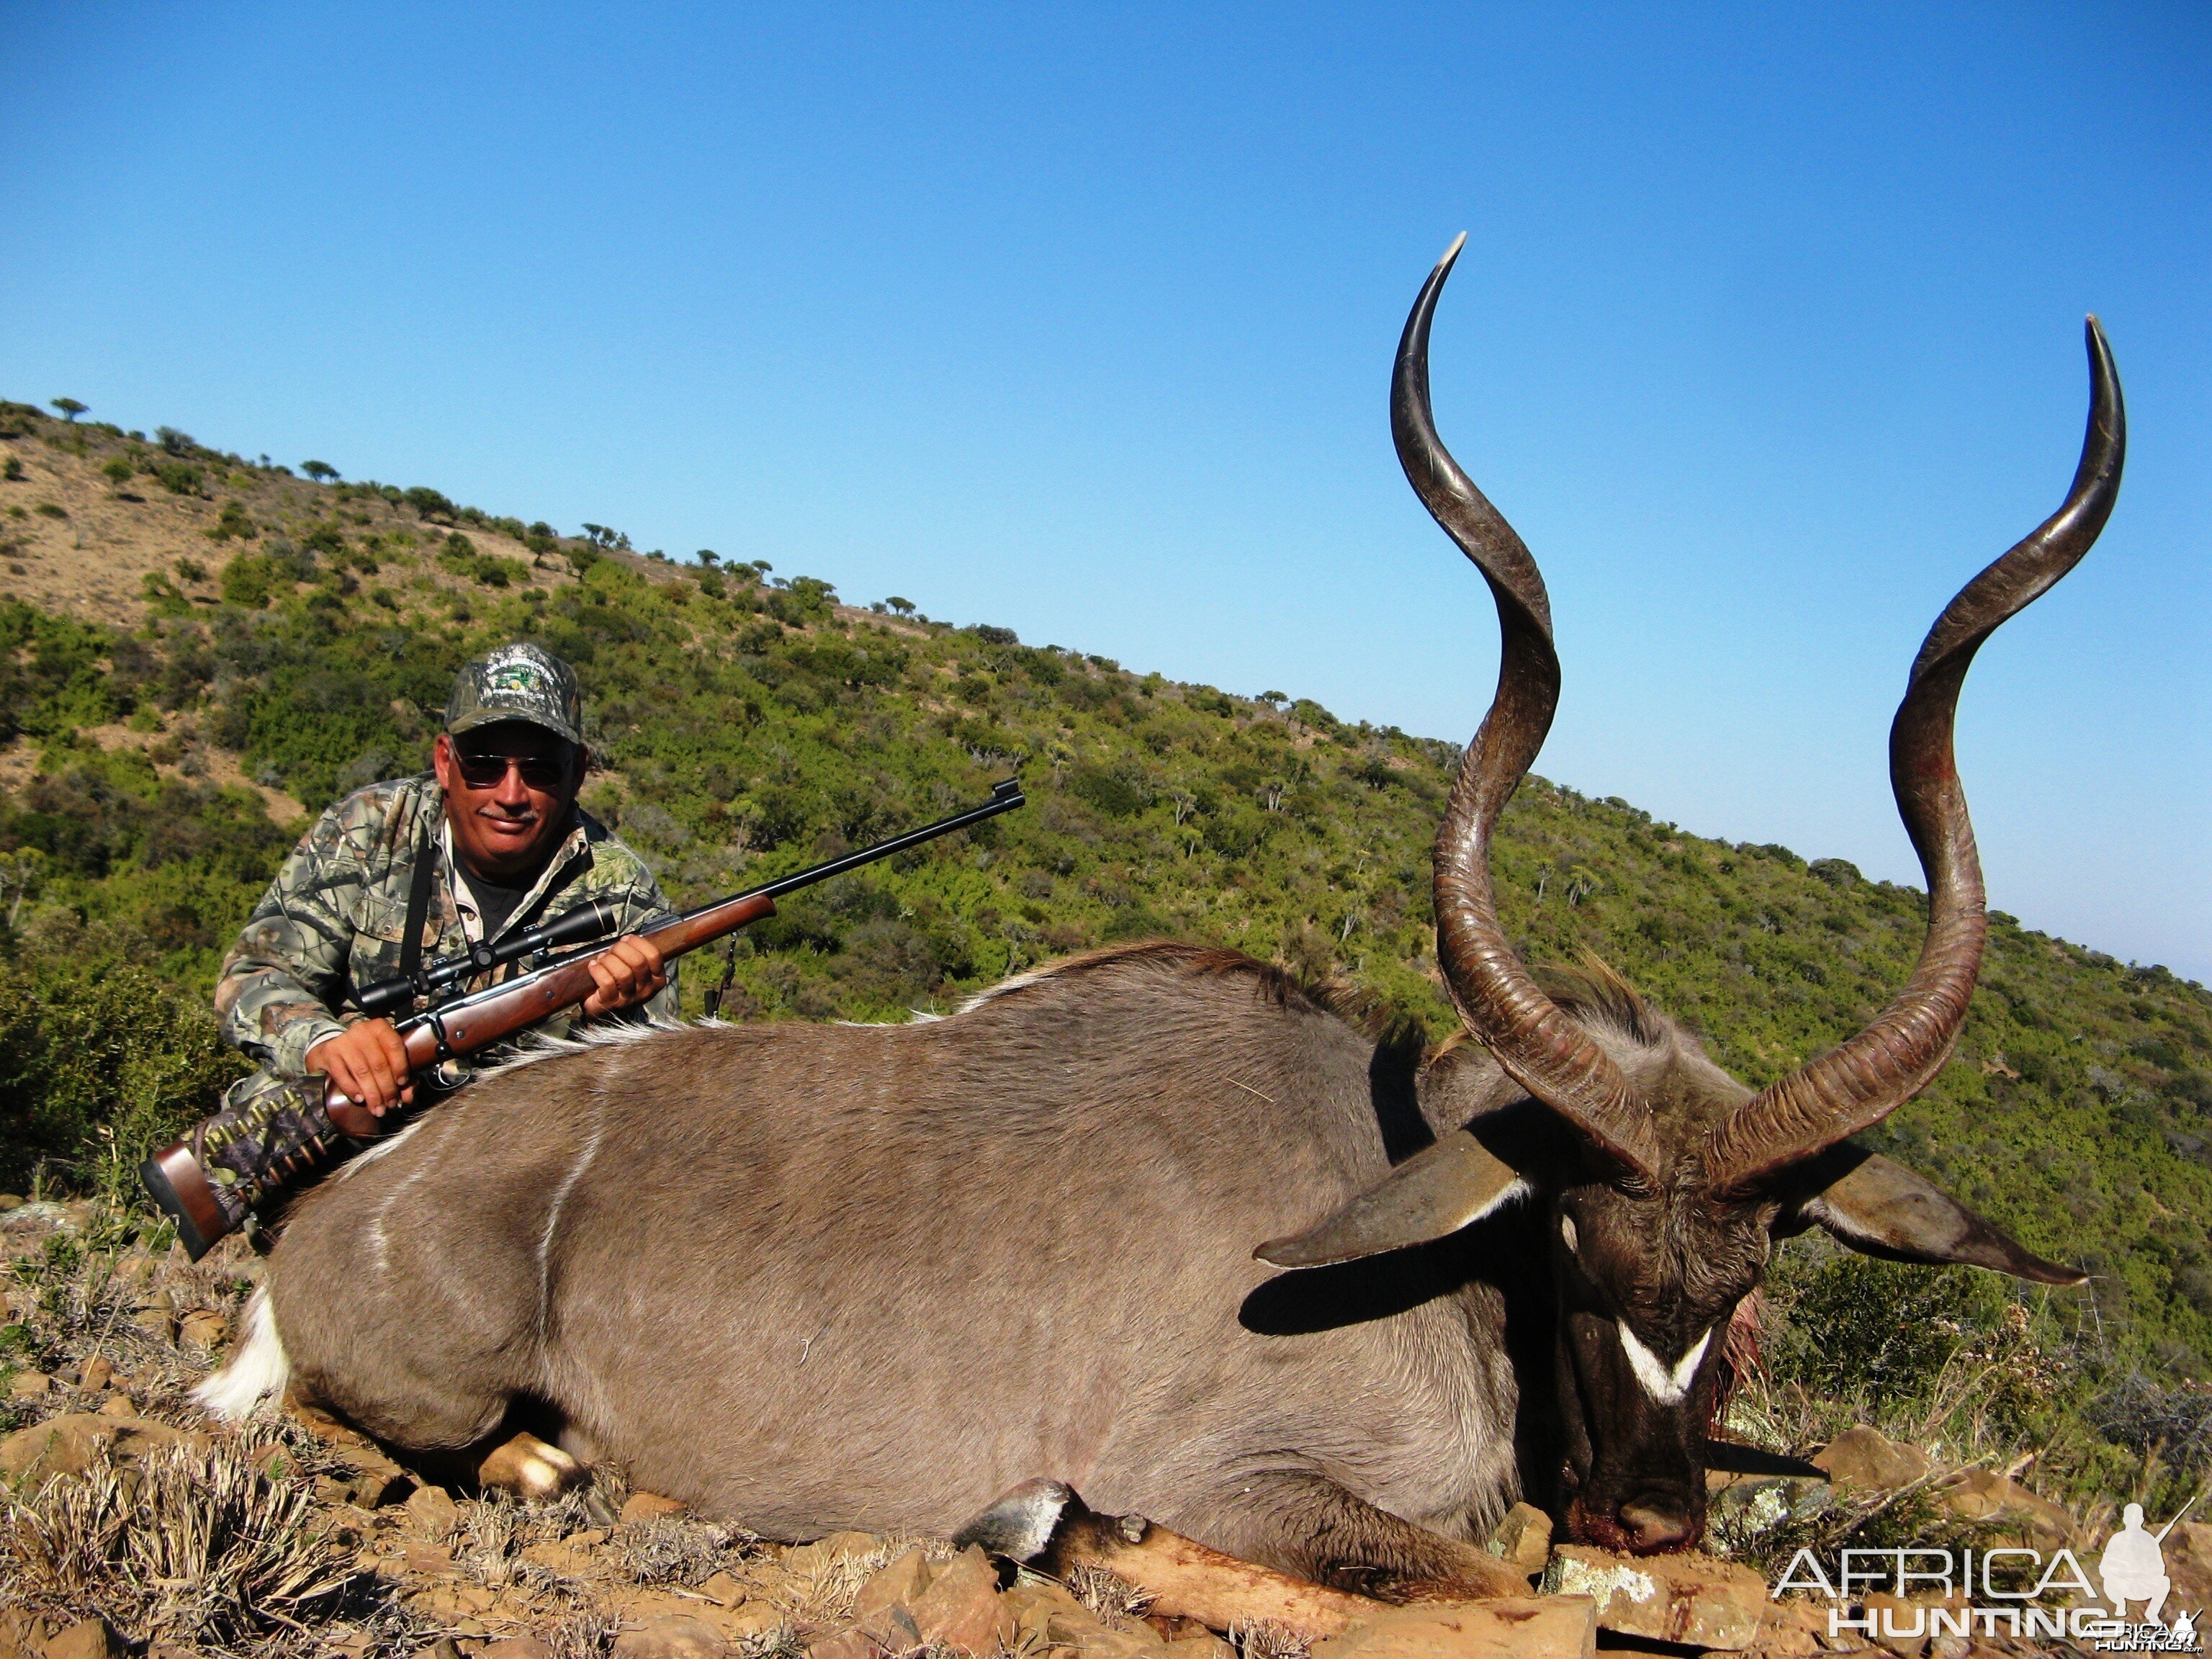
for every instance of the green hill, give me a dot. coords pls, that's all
(300, 638)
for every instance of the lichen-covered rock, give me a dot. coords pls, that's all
(1688, 1598)
(1523, 1538)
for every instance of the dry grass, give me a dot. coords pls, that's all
(586, 1633)
(820, 1592)
(1268, 1640)
(677, 1549)
(1115, 1601)
(189, 1546)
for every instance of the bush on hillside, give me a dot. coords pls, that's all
(100, 1063)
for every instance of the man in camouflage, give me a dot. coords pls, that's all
(507, 848)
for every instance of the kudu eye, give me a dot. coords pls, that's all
(1567, 1231)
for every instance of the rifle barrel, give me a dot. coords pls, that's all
(1005, 795)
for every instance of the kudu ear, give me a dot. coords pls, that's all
(1881, 1208)
(1445, 1186)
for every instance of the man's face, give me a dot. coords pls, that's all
(509, 788)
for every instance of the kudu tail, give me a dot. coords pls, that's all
(259, 1369)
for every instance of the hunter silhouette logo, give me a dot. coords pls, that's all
(2133, 1566)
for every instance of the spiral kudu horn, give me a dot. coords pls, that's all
(1540, 1048)
(1894, 1058)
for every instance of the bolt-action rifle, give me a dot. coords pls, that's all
(446, 1024)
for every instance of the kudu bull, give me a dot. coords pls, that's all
(828, 1276)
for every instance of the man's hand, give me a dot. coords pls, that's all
(627, 972)
(368, 1064)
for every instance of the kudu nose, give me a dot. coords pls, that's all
(1655, 1521)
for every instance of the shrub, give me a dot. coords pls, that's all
(100, 1064)
(247, 580)
(52, 510)
(118, 471)
(178, 478)
(233, 521)
(14, 474)
(1862, 1326)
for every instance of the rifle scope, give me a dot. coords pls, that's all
(584, 925)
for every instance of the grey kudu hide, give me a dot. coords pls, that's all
(814, 1277)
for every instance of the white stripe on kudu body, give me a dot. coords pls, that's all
(1668, 1387)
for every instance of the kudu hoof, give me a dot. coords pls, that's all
(526, 1467)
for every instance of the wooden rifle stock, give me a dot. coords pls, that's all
(475, 1023)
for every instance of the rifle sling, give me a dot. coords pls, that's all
(418, 908)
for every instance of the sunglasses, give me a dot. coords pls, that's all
(545, 773)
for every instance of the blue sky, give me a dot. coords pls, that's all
(1080, 321)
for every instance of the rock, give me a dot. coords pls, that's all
(203, 1332)
(1523, 1538)
(1894, 1613)
(373, 1488)
(678, 1636)
(118, 1405)
(740, 1624)
(724, 1587)
(1507, 1627)
(892, 1628)
(1040, 1606)
(67, 1443)
(648, 1506)
(1753, 1504)
(40, 1215)
(517, 1647)
(1985, 1495)
(1204, 1645)
(1080, 1631)
(88, 1638)
(2189, 1563)
(10, 1201)
(21, 1634)
(1870, 1460)
(849, 1644)
(432, 1514)
(1688, 1598)
(903, 1580)
(808, 1559)
(961, 1606)
(431, 1560)
(28, 1385)
(159, 1323)
(97, 1373)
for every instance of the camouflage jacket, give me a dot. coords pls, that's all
(334, 918)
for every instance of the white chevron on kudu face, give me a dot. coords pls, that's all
(1667, 1387)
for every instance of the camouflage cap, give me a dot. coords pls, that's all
(517, 683)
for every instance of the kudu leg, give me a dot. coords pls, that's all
(1309, 1525)
(1292, 1549)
